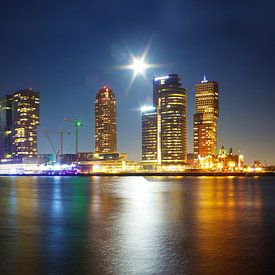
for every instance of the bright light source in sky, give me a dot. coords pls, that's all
(138, 65)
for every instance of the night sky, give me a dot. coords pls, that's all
(67, 50)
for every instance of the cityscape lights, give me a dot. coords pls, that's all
(164, 133)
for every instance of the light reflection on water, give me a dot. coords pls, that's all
(137, 225)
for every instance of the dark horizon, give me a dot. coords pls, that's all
(68, 51)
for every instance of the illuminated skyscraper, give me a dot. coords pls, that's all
(25, 119)
(149, 135)
(105, 121)
(165, 127)
(163, 81)
(205, 118)
(172, 129)
(19, 121)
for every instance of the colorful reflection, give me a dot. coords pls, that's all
(136, 225)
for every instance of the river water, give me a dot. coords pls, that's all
(137, 225)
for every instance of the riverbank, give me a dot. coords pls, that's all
(154, 174)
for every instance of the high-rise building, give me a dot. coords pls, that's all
(105, 121)
(149, 135)
(163, 81)
(19, 121)
(166, 127)
(205, 118)
(172, 134)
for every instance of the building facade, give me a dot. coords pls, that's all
(161, 81)
(105, 121)
(164, 131)
(20, 117)
(149, 136)
(172, 129)
(205, 118)
(224, 161)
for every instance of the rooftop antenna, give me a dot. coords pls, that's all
(204, 79)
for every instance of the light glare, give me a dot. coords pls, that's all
(147, 108)
(139, 66)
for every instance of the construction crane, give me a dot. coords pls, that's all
(58, 153)
(77, 124)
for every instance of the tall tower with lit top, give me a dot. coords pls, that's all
(205, 118)
(105, 121)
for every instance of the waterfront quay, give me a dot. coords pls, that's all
(148, 174)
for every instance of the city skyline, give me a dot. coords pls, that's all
(136, 137)
(65, 65)
(139, 111)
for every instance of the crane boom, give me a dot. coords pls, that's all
(51, 143)
(61, 132)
